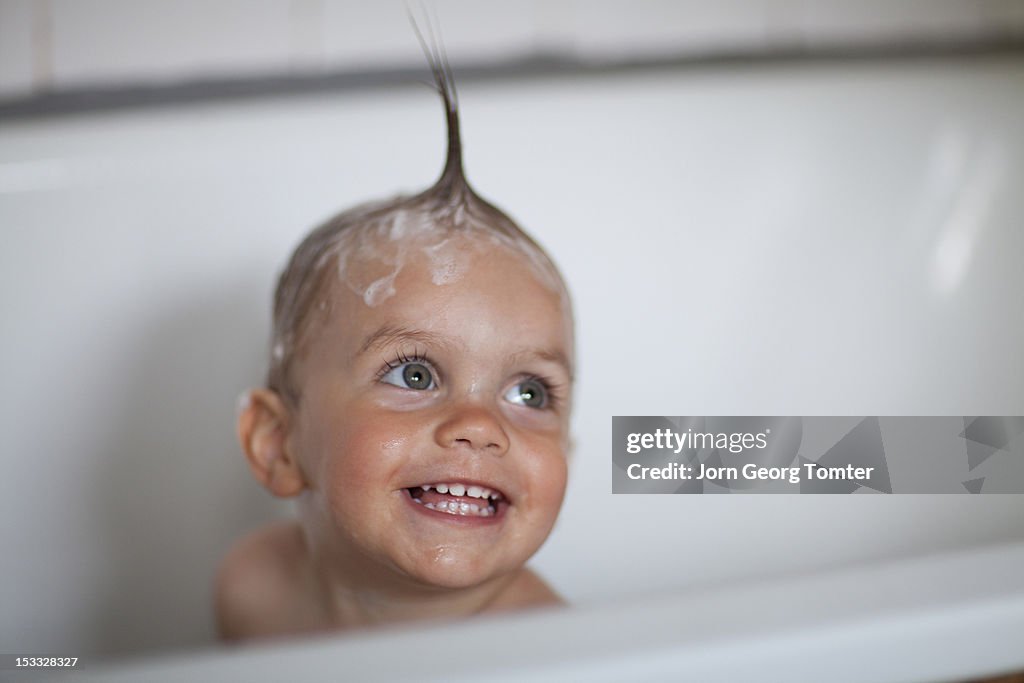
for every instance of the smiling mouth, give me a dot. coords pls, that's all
(465, 500)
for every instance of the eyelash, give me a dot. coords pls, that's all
(401, 358)
(551, 388)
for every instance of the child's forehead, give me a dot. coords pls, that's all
(429, 264)
(457, 276)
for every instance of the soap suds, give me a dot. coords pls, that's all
(380, 290)
(388, 243)
(445, 266)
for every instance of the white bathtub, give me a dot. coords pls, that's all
(945, 617)
(815, 238)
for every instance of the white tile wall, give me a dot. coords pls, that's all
(840, 22)
(119, 42)
(1004, 15)
(306, 44)
(649, 27)
(364, 33)
(361, 34)
(16, 62)
(104, 41)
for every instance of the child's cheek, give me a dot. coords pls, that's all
(547, 469)
(363, 450)
(544, 461)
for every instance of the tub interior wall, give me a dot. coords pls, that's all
(836, 238)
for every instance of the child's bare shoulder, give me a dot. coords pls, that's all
(258, 587)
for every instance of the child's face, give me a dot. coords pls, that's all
(466, 383)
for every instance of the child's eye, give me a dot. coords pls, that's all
(410, 375)
(530, 393)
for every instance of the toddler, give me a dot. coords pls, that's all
(417, 407)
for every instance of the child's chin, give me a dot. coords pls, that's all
(452, 575)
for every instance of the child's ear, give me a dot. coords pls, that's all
(263, 424)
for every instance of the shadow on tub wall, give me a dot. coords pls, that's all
(173, 490)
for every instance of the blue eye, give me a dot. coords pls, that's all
(410, 376)
(530, 393)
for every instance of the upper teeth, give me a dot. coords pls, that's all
(463, 490)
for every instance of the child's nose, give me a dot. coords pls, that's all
(472, 426)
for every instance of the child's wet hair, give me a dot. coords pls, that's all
(422, 223)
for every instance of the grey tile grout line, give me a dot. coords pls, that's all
(101, 99)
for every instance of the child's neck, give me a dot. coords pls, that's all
(353, 596)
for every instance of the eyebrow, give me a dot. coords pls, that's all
(389, 334)
(556, 357)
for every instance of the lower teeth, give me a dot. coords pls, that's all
(455, 508)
